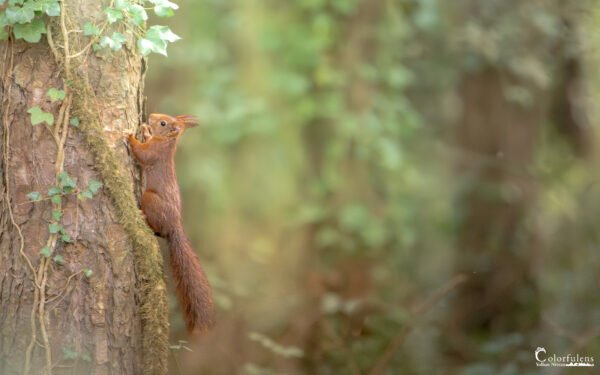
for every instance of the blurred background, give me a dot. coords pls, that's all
(388, 186)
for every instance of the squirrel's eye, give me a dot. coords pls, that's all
(163, 123)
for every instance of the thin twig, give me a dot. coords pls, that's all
(417, 314)
(64, 288)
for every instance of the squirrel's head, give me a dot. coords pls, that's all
(168, 126)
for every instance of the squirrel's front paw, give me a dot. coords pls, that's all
(146, 133)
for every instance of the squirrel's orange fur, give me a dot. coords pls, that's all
(161, 205)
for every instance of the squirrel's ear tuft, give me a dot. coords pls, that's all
(188, 120)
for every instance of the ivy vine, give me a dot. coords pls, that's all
(27, 19)
(66, 184)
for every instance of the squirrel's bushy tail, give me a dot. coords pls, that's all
(191, 283)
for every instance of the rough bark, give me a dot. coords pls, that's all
(93, 323)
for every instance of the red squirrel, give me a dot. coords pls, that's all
(161, 204)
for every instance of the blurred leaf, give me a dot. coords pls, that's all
(38, 116)
(50, 7)
(34, 196)
(90, 29)
(54, 228)
(20, 14)
(56, 215)
(30, 32)
(46, 252)
(138, 14)
(113, 15)
(114, 42)
(94, 186)
(55, 94)
(59, 259)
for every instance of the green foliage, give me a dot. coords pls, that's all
(34, 196)
(54, 228)
(56, 215)
(92, 189)
(86, 356)
(54, 190)
(46, 252)
(65, 237)
(30, 32)
(38, 116)
(88, 272)
(66, 182)
(20, 14)
(113, 15)
(55, 94)
(66, 185)
(27, 20)
(114, 42)
(69, 353)
(89, 29)
(164, 8)
(156, 39)
(94, 186)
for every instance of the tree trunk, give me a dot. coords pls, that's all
(497, 138)
(83, 316)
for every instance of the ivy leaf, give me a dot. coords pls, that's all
(59, 259)
(74, 121)
(30, 32)
(54, 190)
(138, 14)
(66, 238)
(3, 19)
(114, 42)
(156, 39)
(147, 46)
(3, 33)
(86, 194)
(89, 29)
(88, 272)
(113, 15)
(163, 11)
(3, 22)
(38, 116)
(121, 4)
(46, 251)
(164, 8)
(94, 186)
(34, 196)
(56, 215)
(50, 7)
(54, 228)
(56, 199)
(55, 94)
(162, 33)
(20, 15)
(66, 182)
